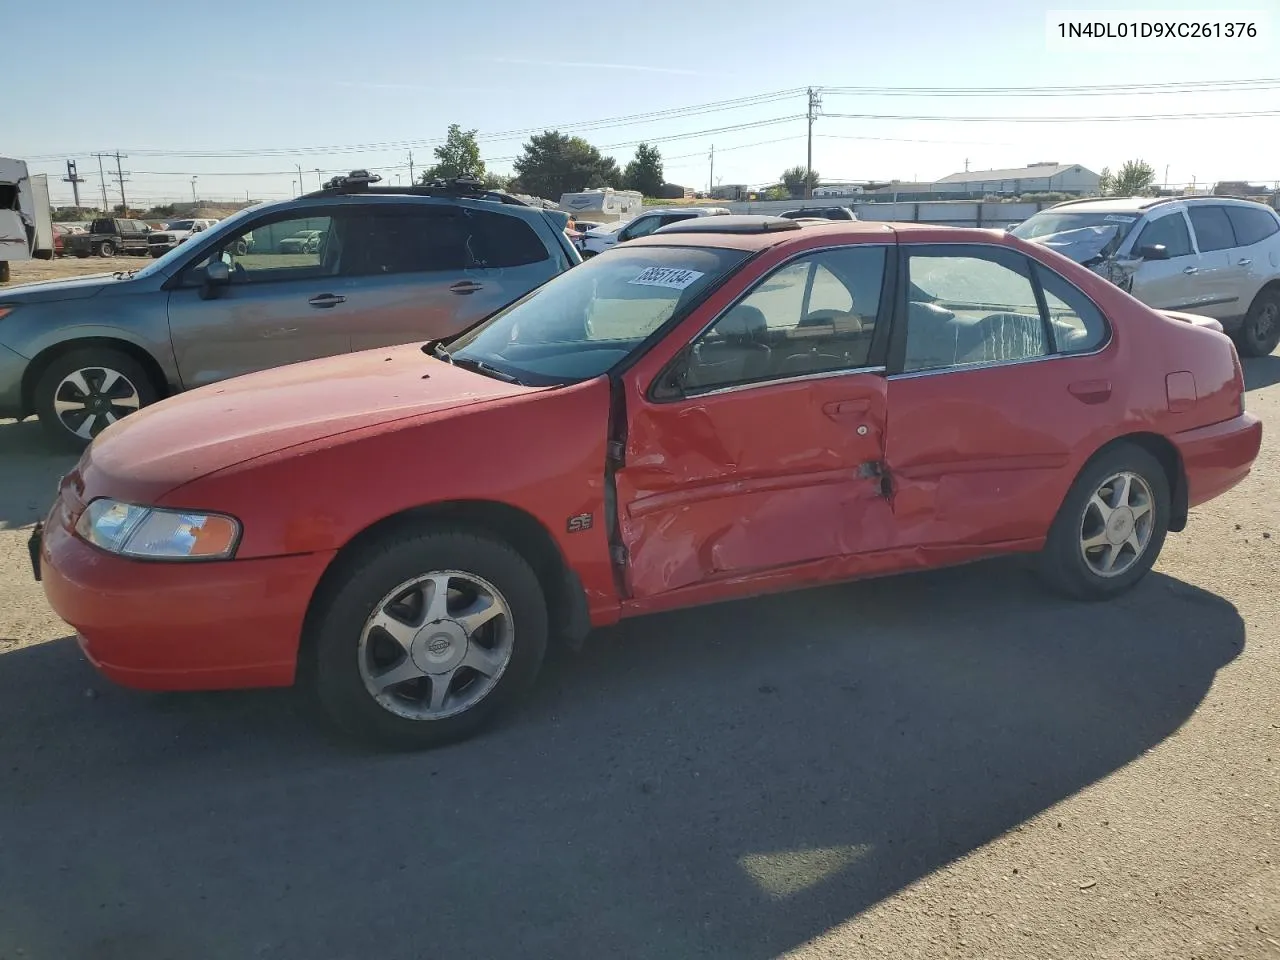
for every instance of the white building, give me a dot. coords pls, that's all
(838, 190)
(1045, 177)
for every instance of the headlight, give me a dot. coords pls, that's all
(156, 534)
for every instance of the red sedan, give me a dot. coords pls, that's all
(730, 406)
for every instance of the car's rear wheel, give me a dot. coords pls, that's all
(4, 271)
(427, 636)
(1259, 335)
(1111, 526)
(106, 249)
(84, 391)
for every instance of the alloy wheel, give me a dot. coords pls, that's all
(1117, 524)
(437, 645)
(89, 400)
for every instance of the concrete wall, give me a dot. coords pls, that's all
(955, 213)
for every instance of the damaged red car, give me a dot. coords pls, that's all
(730, 406)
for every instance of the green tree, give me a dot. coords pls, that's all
(777, 192)
(644, 173)
(458, 156)
(497, 181)
(554, 163)
(794, 180)
(1133, 179)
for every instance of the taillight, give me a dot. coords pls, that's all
(1239, 377)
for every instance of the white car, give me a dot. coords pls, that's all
(160, 242)
(602, 238)
(1214, 256)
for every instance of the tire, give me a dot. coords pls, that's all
(346, 645)
(156, 253)
(1259, 335)
(4, 271)
(1074, 571)
(82, 254)
(106, 249)
(128, 385)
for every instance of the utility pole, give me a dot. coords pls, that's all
(120, 180)
(300, 186)
(194, 200)
(319, 182)
(411, 168)
(815, 101)
(102, 179)
(966, 164)
(711, 176)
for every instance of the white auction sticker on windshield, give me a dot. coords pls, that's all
(1119, 218)
(671, 277)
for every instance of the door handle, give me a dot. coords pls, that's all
(1245, 262)
(1091, 391)
(1190, 270)
(840, 409)
(326, 300)
(466, 286)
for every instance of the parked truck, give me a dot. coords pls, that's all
(26, 229)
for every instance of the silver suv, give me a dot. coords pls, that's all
(348, 268)
(1214, 256)
(602, 238)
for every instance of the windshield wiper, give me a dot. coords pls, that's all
(124, 274)
(479, 366)
(438, 351)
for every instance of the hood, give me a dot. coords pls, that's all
(39, 291)
(1082, 244)
(605, 231)
(193, 434)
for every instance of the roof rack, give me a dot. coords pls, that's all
(731, 223)
(361, 182)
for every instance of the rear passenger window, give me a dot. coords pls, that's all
(1213, 229)
(970, 308)
(813, 315)
(1251, 225)
(1077, 325)
(505, 241)
(1171, 231)
(422, 240)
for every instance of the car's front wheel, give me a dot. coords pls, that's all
(427, 635)
(107, 249)
(1260, 333)
(1111, 526)
(84, 391)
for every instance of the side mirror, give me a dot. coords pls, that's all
(216, 276)
(1154, 251)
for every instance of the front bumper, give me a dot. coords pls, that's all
(160, 249)
(178, 626)
(1217, 457)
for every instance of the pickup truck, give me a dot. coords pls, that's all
(108, 236)
(160, 242)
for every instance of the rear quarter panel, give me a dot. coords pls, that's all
(541, 452)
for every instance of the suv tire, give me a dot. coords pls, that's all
(118, 386)
(1259, 335)
(106, 249)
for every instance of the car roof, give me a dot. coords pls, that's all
(825, 231)
(1142, 204)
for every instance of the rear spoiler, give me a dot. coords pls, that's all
(559, 219)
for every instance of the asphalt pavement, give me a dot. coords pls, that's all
(945, 764)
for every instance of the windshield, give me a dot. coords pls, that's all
(181, 225)
(588, 319)
(1081, 235)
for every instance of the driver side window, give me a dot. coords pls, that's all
(299, 248)
(816, 314)
(640, 228)
(1170, 231)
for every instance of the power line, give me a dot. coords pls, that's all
(1112, 89)
(1223, 115)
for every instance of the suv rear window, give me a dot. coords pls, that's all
(506, 241)
(103, 226)
(1251, 225)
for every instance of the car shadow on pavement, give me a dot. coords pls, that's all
(729, 781)
(1261, 372)
(30, 467)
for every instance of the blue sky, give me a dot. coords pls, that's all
(277, 81)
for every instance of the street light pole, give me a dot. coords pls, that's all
(193, 190)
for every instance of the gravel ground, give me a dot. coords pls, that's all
(949, 764)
